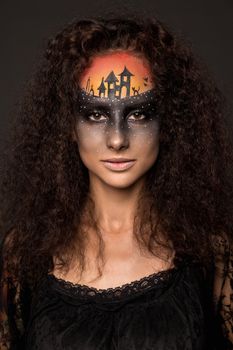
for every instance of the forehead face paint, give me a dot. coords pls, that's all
(117, 75)
(117, 80)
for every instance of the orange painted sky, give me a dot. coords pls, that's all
(104, 64)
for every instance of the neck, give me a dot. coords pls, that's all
(115, 207)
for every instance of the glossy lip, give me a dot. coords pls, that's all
(119, 165)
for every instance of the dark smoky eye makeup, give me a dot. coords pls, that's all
(93, 113)
(97, 117)
(136, 115)
(139, 114)
(149, 113)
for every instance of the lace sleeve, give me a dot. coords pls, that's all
(223, 286)
(11, 324)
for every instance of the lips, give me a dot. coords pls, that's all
(119, 164)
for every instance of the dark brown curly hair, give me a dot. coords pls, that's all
(44, 184)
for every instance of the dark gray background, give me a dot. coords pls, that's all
(25, 27)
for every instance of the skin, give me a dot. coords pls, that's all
(108, 128)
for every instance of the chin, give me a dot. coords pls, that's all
(120, 182)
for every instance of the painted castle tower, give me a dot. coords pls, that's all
(115, 88)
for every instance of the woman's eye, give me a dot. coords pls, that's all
(137, 116)
(97, 117)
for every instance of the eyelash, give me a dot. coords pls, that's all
(137, 113)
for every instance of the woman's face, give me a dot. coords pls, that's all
(117, 119)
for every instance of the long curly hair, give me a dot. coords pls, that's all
(45, 204)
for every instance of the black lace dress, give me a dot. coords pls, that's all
(178, 309)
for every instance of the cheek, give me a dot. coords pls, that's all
(146, 138)
(90, 140)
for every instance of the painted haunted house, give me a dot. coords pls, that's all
(113, 89)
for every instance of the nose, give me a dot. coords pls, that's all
(117, 135)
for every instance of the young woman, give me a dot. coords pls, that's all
(117, 197)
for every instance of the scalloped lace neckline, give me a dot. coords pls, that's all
(127, 289)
